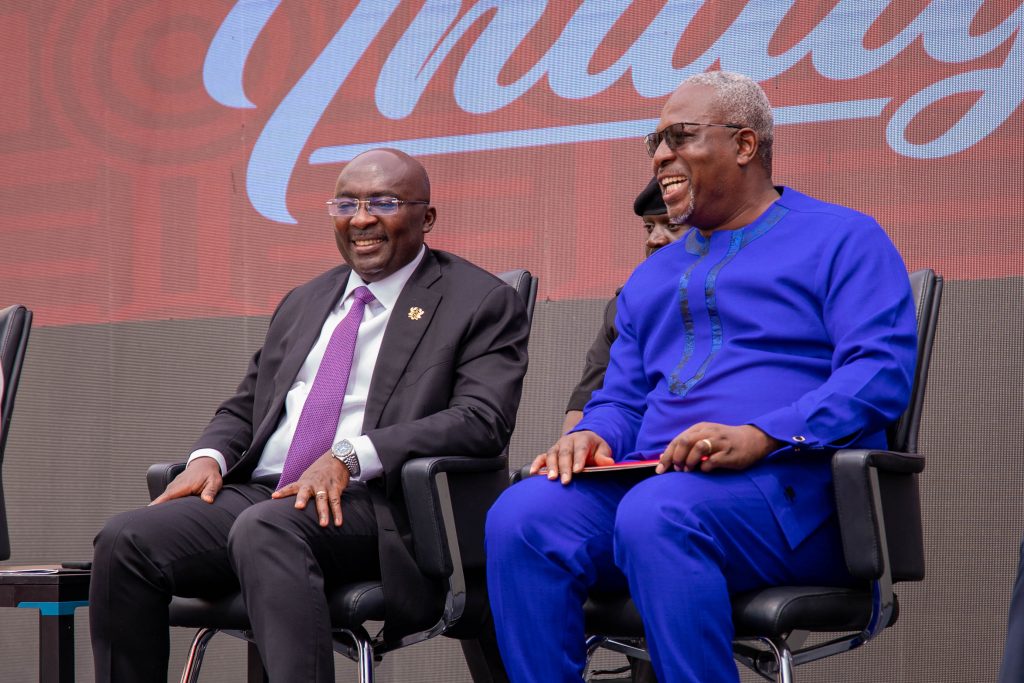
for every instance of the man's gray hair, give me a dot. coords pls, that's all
(742, 101)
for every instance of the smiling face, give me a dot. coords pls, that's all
(699, 178)
(660, 232)
(377, 246)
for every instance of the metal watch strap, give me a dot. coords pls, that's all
(346, 453)
(351, 462)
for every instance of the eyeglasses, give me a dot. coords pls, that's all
(375, 206)
(675, 134)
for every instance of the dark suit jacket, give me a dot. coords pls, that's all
(447, 383)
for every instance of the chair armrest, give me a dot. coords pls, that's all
(878, 503)
(158, 476)
(461, 489)
(891, 461)
(520, 474)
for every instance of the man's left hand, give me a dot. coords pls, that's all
(323, 481)
(708, 446)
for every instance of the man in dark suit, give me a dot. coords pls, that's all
(294, 485)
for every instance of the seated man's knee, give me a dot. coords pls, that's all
(265, 525)
(516, 514)
(653, 510)
(124, 540)
(253, 529)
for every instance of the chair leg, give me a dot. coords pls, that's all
(190, 674)
(361, 651)
(593, 642)
(786, 667)
(365, 660)
(256, 672)
(783, 659)
(772, 662)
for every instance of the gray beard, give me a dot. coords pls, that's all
(681, 218)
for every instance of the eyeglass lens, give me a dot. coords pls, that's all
(672, 134)
(377, 206)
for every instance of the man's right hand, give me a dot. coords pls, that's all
(201, 478)
(571, 454)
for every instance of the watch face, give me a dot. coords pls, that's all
(343, 448)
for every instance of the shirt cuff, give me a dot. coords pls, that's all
(788, 426)
(370, 466)
(209, 453)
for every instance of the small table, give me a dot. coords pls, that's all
(55, 595)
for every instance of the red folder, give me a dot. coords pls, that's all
(625, 465)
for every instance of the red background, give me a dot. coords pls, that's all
(123, 183)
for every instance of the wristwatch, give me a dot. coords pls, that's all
(346, 453)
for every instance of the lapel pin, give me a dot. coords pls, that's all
(415, 313)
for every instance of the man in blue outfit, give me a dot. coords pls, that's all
(778, 329)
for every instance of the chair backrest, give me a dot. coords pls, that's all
(460, 555)
(15, 323)
(473, 495)
(927, 291)
(900, 497)
(526, 284)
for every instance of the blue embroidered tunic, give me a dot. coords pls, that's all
(800, 323)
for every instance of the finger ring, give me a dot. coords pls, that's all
(321, 494)
(707, 444)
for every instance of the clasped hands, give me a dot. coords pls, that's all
(704, 447)
(323, 481)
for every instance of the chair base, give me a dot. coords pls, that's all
(775, 663)
(190, 674)
(360, 651)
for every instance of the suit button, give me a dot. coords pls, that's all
(790, 493)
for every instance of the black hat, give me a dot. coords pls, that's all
(649, 202)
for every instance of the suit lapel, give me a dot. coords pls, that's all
(408, 323)
(301, 333)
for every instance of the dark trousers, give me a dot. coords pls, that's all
(282, 559)
(482, 656)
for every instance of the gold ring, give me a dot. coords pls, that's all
(321, 494)
(707, 443)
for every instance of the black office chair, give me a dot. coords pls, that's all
(55, 596)
(880, 521)
(447, 500)
(15, 324)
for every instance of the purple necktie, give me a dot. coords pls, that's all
(318, 423)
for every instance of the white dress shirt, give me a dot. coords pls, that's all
(350, 423)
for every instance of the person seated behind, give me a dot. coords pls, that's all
(780, 329)
(660, 231)
(481, 655)
(290, 486)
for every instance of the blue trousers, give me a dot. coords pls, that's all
(681, 543)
